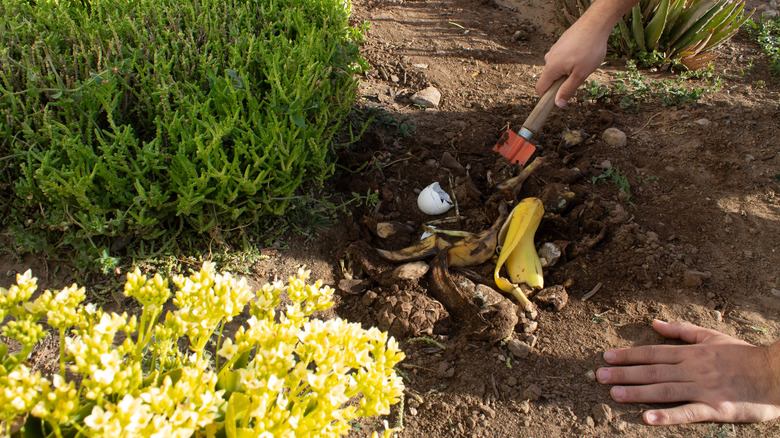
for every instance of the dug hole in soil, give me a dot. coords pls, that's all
(695, 241)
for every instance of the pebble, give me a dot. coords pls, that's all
(775, 292)
(530, 327)
(525, 407)
(532, 392)
(693, 279)
(518, 349)
(703, 122)
(412, 412)
(615, 137)
(717, 315)
(11, 272)
(488, 411)
(590, 375)
(511, 381)
(602, 413)
(589, 422)
(427, 98)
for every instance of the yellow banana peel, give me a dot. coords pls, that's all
(518, 252)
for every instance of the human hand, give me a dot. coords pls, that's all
(576, 54)
(723, 378)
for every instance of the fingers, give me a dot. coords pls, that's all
(646, 355)
(688, 332)
(656, 393)
(568, 90)
(546, 80)
(690, 413)
(641, 375)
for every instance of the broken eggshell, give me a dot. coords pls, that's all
(433, 200)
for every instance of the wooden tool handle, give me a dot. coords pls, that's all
(542, 109)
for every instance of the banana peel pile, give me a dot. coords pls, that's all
(485, 313)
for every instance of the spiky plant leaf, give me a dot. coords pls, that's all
(637, 29)
(655, 28)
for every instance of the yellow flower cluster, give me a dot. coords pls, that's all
(281, 375)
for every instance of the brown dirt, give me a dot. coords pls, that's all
(700, 243)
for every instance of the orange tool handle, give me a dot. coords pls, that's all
(543, 108)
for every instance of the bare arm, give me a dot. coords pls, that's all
(581, 49)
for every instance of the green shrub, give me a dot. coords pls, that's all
(684, 31)
(283, 374)
(140, 118)
(767, 34)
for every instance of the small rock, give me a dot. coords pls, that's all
(532, 392)
(450, 162)
(412, 412)
(11, 272)
(717, 315)
(488, 411)
(775, 292)
(749, 158)
(704, 123)
(606, 164)
(615, 137)
(394, 78)
(621, 426)
(589, 422)
(525, 407)
(602, 413)
(511, 381)
(422, 66)
(530, 327)
(693, 279)
(519, 350)
(590, 375)
(410, 272)
(555, 297)
(368, 298)
(518, 35)
(427, 98)
(353, 286)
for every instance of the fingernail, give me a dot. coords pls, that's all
(618, 392)
(651, 417)
(561, 103)
(661, 322)
(602, 374)
(609, 356)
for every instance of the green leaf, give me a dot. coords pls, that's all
(298, 121)
(229, 380)
(696, 22)
(637, 28)
(3, 352)
(655, 28)
(56, 95)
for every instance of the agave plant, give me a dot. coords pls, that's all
(685, 31)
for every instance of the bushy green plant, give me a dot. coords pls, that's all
(683, 31)
(767, 34)
(282, 374)
(139, 118)
(631, 88)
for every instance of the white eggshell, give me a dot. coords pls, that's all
(434, 200)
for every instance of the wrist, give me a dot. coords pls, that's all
(602, 15)
(773, 363)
